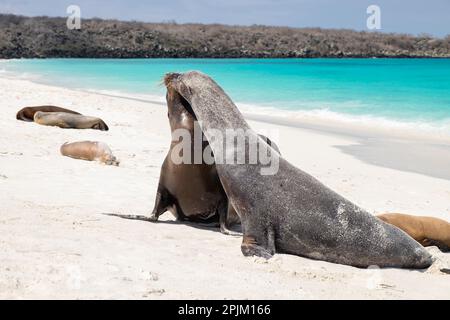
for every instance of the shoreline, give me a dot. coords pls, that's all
(355, 126)
(321, 119)
(345, 127)
(58, 242)
(233, 58)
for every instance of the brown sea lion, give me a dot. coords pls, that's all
(69, 121)
(428, 231)
(91, 151)
(282, 208)
(191, 191)
(27, 113)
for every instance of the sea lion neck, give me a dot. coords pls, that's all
(180, 112)
(209, 102)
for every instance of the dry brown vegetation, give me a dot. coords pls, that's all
(42, 37)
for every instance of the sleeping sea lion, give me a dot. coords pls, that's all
(91, 151)
(282, 208)
(428, 231)
(69, 121)
(27, 113)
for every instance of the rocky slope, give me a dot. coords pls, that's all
(43, 37)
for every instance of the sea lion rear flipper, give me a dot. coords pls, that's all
(162, 201)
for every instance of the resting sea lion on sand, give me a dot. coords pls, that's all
(428, 231)
(287, 210)
(27, 113)
(89, 150)
(69, 121)
(188, 190)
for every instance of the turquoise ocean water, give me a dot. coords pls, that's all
(404, 91)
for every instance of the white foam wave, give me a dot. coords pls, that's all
(319, 118)
(325, 118)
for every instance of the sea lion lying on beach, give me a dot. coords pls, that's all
(27, 113)
(428, 231)
(282, 208)
(189, 190)
(91, 151)
(69, 121)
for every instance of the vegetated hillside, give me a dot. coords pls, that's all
(44, 37)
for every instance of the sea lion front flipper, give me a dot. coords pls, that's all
(250, 247)
(431, 242)
(162, 201)
(227, 219)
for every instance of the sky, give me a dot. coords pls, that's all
(401, 16)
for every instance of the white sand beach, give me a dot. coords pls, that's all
(56, 241)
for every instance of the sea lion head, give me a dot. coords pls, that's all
(38, 115)
(112, 161)
(100, 125)
(194, 87)
(20, 116)
(192, 83)
(179, 112)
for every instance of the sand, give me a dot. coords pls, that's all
(56, 240)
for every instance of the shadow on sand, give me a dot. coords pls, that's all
(211, 226)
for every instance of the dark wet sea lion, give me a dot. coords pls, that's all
(190, 191)
(27, 113)
(290, 211)
(69, 121)
(89, 150)
(428, 231)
